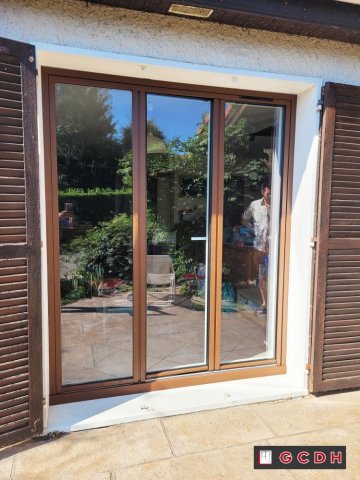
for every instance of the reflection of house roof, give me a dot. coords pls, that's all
(262, 117)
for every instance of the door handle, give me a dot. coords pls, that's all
(195, 239)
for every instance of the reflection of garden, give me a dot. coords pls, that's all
(95, 183)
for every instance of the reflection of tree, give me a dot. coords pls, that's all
(90, 152)
(245, 157)
(92, 157)
(87, 147)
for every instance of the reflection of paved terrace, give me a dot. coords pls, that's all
(97, 337)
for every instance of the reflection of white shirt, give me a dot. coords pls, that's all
(260, 214)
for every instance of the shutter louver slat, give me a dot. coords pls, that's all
(347, 122)
(10, 95)
(11, 164)
(18, 396)
(10, 130)
(11, 155)
(10, 78)
(12, 402)
(11, 419)
(13, 426)
(13, 371)
(8, 68)
(20, 319)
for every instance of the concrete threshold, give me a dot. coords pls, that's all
(90, 414)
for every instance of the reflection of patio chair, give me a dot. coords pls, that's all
(160, 273)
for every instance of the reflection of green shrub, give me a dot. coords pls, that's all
(95, 206)
(109, 246)
(90, 192)
(183, 265)
(74, 288)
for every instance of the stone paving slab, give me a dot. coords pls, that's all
(6, 465)
(214, 429)
(93, 451)
(232, 463)
(311, 413)
(209, 445)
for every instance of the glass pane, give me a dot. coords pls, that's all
(252, 187)
(94, 154)
(177, 231)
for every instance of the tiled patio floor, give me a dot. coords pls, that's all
(211, 445)
(97, 337)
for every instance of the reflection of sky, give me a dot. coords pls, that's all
(121, 106)
(176, 117)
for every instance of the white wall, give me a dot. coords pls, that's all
(96, 27)
(70, 34)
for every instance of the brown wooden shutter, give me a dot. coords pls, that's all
(336, 320)
(20, 312)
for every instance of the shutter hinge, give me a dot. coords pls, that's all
(313, 242)
(35, 424)
(43, 402)
(308, 367)
(319, 106)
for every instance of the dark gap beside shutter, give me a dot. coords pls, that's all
(20, 309)
(336, 322)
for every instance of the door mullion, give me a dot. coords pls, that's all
(139, 232)
(142, 253)
(213, 231)
(218, 201)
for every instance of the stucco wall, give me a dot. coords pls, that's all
(74, 23)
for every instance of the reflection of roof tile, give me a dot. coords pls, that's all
(203, 124)
(262, 117)
(233, 113)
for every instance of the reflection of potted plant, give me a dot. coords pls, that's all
(74, 287)
(96, 278)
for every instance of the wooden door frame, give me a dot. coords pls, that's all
(142, 382)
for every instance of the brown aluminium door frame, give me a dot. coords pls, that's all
(49, 82)
(138, 234)
(216, 141)
(284, 243)
(208, 374)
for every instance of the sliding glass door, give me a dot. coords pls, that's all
(166, 234)
(94, 185)
(252, 197)
(178, 177)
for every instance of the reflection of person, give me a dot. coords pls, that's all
(67, 216)
(258, 213)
